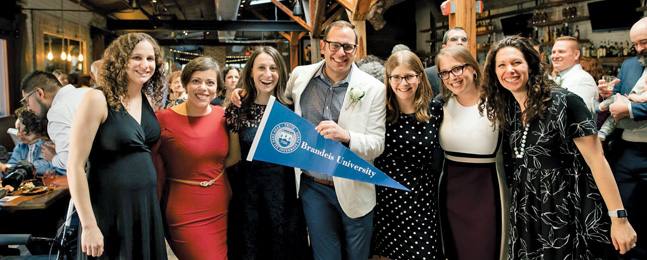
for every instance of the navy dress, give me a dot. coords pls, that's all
(123, 186)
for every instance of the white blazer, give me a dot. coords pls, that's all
(365, 121)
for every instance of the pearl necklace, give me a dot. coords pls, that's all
(522, 150)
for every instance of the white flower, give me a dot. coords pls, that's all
(356, 96)
(558, 81)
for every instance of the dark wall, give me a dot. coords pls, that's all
(12, 30)
(400, 28)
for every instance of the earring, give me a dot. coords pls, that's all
(476, 76)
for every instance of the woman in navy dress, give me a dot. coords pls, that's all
(114, 129)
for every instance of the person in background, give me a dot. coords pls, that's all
(407, 224)
(114, 129)
(61, 76)
(570, 75)
(400, 47)
(561, 184)
(265, 217)
(473, 190)
(628, 148)
(32, 132)
(232, 75)
(454, 36)
(95, 72)
(42, 93)
(190, 158)
(177, 93)
(85, 81)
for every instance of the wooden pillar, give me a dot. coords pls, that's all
(360, 26)
(465, 17)
(295, 51)
(315, 51)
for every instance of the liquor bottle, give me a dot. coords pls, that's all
(565, 12)
(632, 51)
(576, 34)
(611, 50)
(585, 50)
(559, 33)
(625, 52)
(547, 34)
(618, 49)
(554, 34)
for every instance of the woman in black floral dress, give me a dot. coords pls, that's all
(407, 223)
(561, 184)
(265, 217)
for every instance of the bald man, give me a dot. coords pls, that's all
(95, 71)
(630, 167)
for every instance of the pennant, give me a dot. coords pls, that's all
(285, 138)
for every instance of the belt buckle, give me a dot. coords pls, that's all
(207, 183)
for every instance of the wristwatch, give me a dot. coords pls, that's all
(618, 213)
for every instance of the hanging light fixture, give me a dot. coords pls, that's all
(63, 56)
(69, 56)
(50, 56)
(298, 9)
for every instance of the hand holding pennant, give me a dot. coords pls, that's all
(285, 138)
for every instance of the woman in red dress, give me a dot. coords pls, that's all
(191, 155)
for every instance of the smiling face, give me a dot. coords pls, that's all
(265, 75)
(338, 63)
(564, 55)
(202, 88)
(141, 64)
(176, 86)
(231, 79)
(464, 83)
(512, 70)
(404, 91)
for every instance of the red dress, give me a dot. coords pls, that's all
(194, 149)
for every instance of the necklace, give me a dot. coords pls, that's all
(522, 150)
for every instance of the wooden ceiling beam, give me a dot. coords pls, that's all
(332, 17)
(317, 17)
(346, 4)
(287, 11)
(361, 8)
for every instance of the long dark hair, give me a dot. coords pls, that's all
(495, 98)
(246, 80)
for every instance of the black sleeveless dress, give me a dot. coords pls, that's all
(123, 186)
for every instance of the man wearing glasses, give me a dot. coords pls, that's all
(338, 211)
(455, 36)
(43, 94)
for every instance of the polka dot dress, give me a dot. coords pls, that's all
(407, 223)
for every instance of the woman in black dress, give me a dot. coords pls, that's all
(561, 184)
(265, 217)
(114, 129)
(407, 223)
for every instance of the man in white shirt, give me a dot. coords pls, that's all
(570, 75)
(43, 94)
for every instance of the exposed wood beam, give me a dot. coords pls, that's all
(332, 7)
(295, 51)
(346, 4)
(361, 8)
(260, 16)
(255, 26)
(317, 17)
(332, 17)
(287, 11)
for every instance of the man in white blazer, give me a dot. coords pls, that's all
(338, 211)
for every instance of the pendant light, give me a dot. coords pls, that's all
(50, 56)
(69, 56)
(63, 56)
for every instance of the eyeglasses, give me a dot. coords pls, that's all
(334, 46)
(23, 101)
(395, 80)
(457, 71)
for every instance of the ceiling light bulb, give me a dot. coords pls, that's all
(63, 56)
(69, 57)
(80, 57)
(50, 56)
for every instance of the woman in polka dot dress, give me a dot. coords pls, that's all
(473, 193)
(407, 223)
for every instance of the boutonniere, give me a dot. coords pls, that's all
(558, 81)
(356, 96)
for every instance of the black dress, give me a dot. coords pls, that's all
(407, 224)
(123, 186)
(265, 217)
(556, 210)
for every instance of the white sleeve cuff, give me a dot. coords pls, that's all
(631, 114)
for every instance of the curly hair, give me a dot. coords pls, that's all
(247, 79)
(461, 54)
(423, 95)
(114, 79)
(495, 98)
(32, 122)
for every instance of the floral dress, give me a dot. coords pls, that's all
(556, 210)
